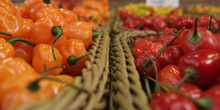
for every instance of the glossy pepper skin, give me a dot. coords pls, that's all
(41, 30)
(202, 39)
(26, 28)
(42, 55)
(68, 15)
(8, 5)
(24, 51)
(73, 47)
(170, 74)
(10, 24)
(13, 66)
(30, 7)
(81, 30)
(47, 11)
(201, 66)
(6, 49)
(183, 22)
(14, 91)
(173, 101)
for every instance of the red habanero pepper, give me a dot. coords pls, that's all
(81, 30)
(71, 49)
(9, 24)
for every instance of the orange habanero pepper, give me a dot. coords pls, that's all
(14, 91)
(8, 5)
(45, 30)
(47, 11)
(26, 28)
(24, 50)
(74, 56)
(6, 47)
(30, 7)
(13, 66)
(68, 15)
(81, 30)
(9, 24)
(43, 55)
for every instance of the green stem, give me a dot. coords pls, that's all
(161, 85)
(48, 69)
(195, 27)
(157, 88)
(5, 33)
(204, 103)
(58, 32)
(148, 90)
(72, 60)
(168, 43)
(47, 1)
(34, 86)
(192, 11)
(13, 40)
(131, 46)
(96, 33)
(185, 77)
(210, 22)
(171, 30)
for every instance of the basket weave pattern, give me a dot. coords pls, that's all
(93, 79)
(126, 92)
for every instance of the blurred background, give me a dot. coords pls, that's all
(183, 3)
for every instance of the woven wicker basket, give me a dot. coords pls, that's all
(94, 78)
(126, 91)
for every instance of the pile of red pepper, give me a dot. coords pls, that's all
(182, 60)
(41, 45)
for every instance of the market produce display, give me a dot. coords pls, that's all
(43, 48)
(181, 60)
(74, 54)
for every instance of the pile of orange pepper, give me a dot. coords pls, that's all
(95, 12)
(39, 40)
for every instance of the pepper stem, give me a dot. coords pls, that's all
(58, 32)
(96, 33)
(168, 43)
(47, 1)
(72, 60)
(48, 69)
(131, 47)
(13, 40)
(210, 22)
(159, 84)
(192, 11)
(148, 90)
(204, 103)
(34, 85)
(157, 88)
(5, 33)
(185, 77)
